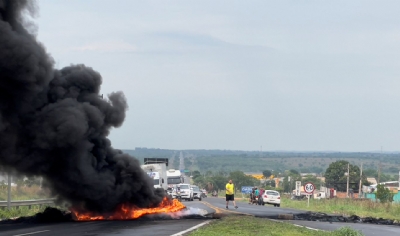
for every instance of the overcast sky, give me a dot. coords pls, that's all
(284, 75)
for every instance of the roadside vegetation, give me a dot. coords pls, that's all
(21, 211)
(25, 190)
(247, 225)
(362, 208)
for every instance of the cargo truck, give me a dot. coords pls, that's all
(174, 178)
(156, 168)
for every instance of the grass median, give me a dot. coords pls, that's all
(248, 225)
(362, 208)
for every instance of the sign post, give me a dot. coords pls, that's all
(309, 189)
(298, 188)
(246, 190)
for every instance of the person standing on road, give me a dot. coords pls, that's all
(230, 188)
(257, 192)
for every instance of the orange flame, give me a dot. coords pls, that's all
(127, 212)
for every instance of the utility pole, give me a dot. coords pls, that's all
(379, 168)
(359, 189)
(348, 176)
(399, 181)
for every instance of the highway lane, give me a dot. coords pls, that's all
(245, 208)
(100, 228)
(158, 225)
(366, 229)
(271, 212)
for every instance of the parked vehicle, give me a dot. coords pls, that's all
(271, 197)
(196, 192)
(186, 192)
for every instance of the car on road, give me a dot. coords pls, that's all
(271, 197)
(203, 193)
(186, 192)
(197, 194)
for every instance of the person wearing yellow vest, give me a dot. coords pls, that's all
(230, 190)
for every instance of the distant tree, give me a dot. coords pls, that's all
(370, 173)
(374, 173)
(270, 183)
(267, 173)
(393, 169)
(383, 194)
(195, 173)
(335, 176)
(312, 179)
(316, 169)
(290, 179)
(219, 182)
(240, 179)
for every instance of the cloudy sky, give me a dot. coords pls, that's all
(284, 75)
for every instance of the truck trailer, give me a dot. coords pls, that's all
(156, 168)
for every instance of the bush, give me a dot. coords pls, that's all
(383, 194)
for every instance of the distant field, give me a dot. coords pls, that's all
(227, 160)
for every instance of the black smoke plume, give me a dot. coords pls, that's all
(54, 124)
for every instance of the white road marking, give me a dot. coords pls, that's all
(296, 224)
(192, 228)
(37, 232)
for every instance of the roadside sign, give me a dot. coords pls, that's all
(298, 188)
(309, 188)
(247, 189)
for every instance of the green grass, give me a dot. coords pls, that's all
(248, 225)
(21, 211)
(24, 193)
(349, 207)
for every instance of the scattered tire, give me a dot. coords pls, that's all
(200, 199)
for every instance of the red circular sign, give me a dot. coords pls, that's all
(309, 188)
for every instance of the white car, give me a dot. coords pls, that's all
(186, 192)
(271, 197)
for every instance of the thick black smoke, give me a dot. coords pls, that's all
(53, 123)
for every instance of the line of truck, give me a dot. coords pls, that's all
(156, 168)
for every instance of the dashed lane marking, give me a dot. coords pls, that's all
(191, 229)
(218, 210)
(36, 232)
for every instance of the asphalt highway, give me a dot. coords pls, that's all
(272, 212)
(99, 228)
(160, 225)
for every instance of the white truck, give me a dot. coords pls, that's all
(174, 177)
(156, 168)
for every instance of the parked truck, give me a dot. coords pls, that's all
(156, 168)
